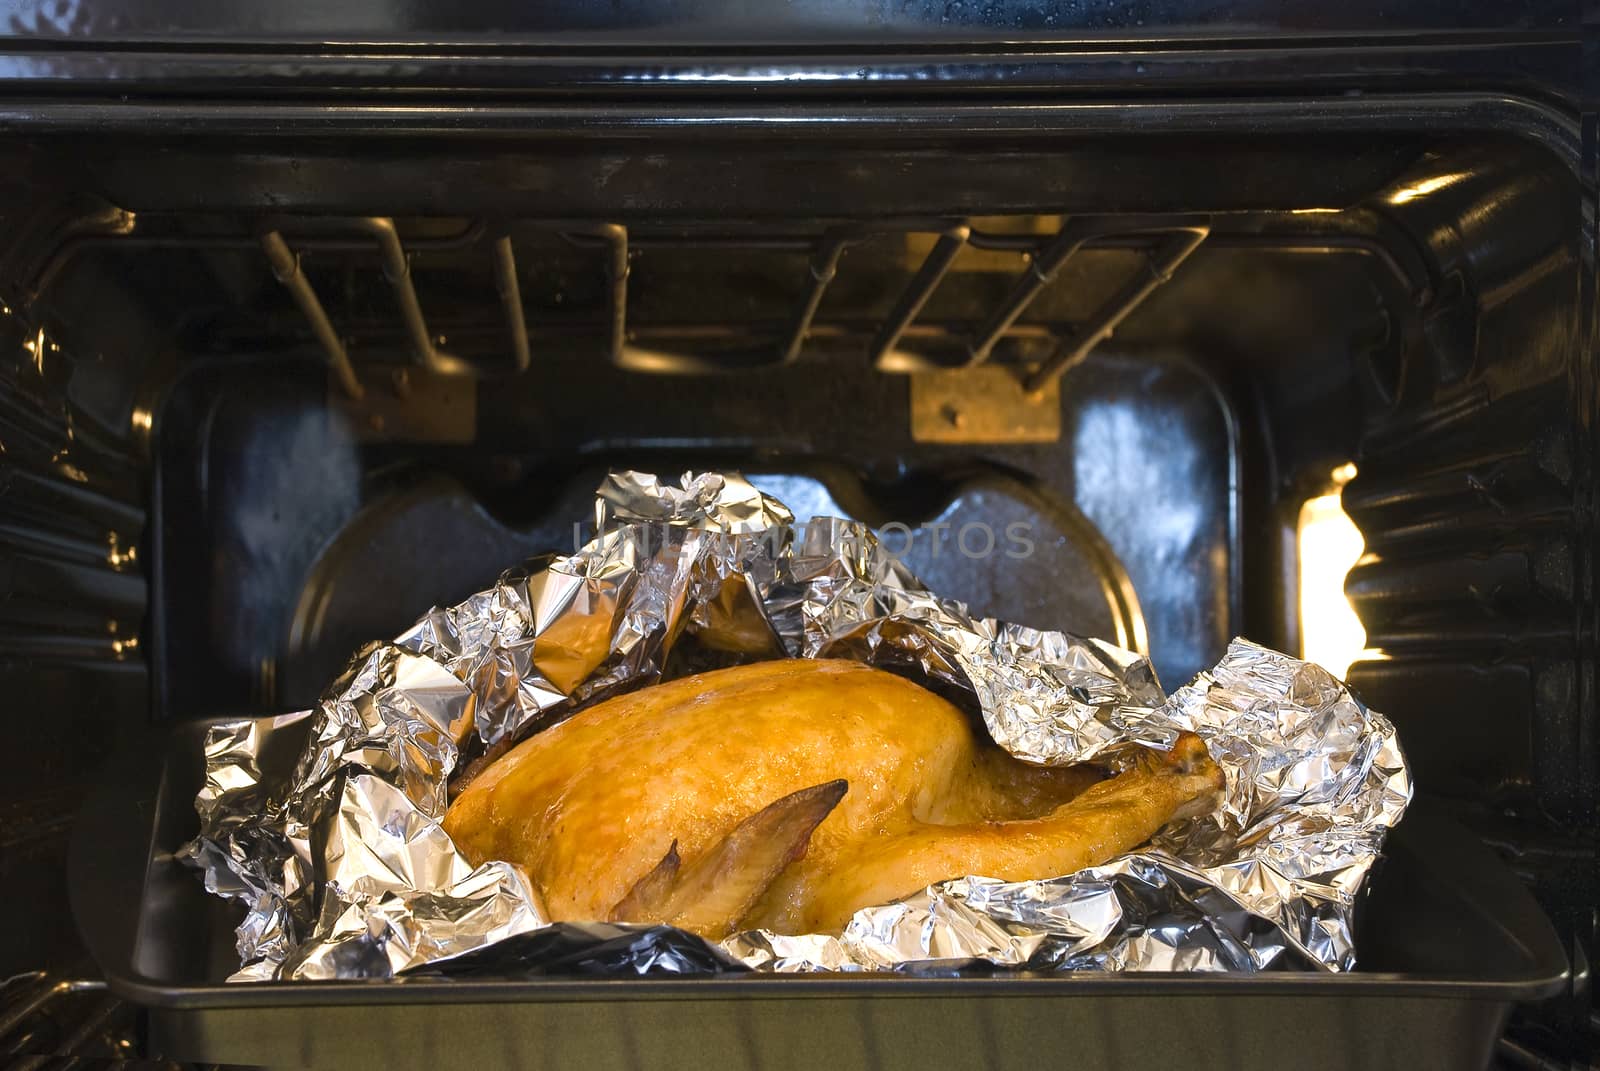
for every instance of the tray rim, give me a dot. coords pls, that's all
(831, 985)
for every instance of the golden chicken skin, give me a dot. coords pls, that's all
(787, 795)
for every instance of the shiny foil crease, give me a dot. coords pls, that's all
(325, 823)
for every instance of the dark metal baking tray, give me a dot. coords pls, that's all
(1450, 941)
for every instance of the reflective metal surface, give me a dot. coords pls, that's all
(1155, 454)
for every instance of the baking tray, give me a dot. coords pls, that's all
(1450, 942)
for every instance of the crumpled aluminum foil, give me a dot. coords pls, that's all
(345, 872)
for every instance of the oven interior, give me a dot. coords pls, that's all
(263, 398)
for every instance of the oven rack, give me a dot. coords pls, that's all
(50, 1022)
(898, 343)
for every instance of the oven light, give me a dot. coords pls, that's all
(1329, 544)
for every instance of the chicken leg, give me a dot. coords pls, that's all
(1108, 819)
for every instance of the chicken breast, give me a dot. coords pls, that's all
(789, 794)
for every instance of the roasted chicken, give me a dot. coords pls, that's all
(787, 795)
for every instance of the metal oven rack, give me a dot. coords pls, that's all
(899, 343)
(49, 1022)
(1173, 241)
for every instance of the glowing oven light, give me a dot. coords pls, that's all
(1329, 544)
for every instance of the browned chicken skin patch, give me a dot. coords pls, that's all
(705, 801)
